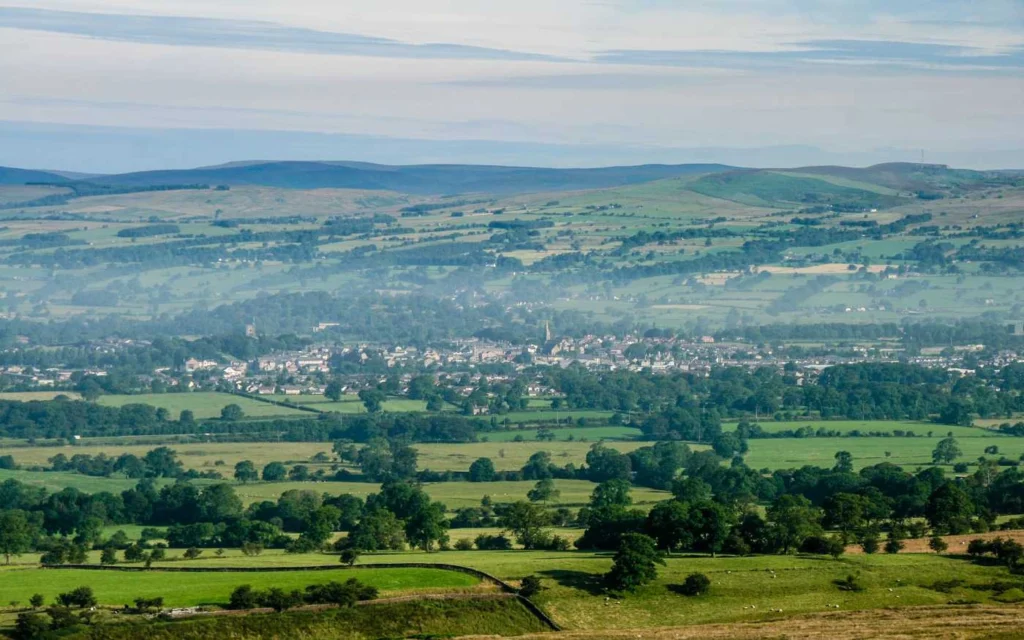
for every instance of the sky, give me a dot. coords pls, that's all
(118, 85)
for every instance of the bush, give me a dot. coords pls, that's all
(893, 545)
(530, 586)
(695, 584)
(463, 544)
(349, 556)
(869, 544)
(81, 597)
(244, 597)
(37, 601)
(850, 583)
(30, 626)
(818, 545)
(937, 544)
(485, 542)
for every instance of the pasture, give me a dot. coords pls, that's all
(204, 405)
(784, 453)
(214, 588)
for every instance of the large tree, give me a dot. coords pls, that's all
(946, 451)
(635, 563)
(18, 531)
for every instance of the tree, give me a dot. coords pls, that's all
(372, 399)
(605, 463)
(187, 417)
(956, 412)
(844, 462)
(274, 472)
(946, 451)
(612, 493)
(333, 390)
(937, 544)
(349, 556)
(845, 512)
(37, 600)
(245, 471)
(526, 522)
(949, 510)
(635, 563)
(482, 470)
(378, 530)
(109, 556)
(792, 519)
(17, 533)
(543, 491)
(232, 412)
(538, 466)
(427, 525)
(668, 523)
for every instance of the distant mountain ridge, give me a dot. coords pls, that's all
(752, 186)
(414, 179)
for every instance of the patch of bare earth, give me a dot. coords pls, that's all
(956, 544)
(940, 623)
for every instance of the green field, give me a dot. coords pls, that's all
(203, 404)
(592, 434)
(29, 396)
(881, 426)
(453, 494)
(190, 589)
(783, 453)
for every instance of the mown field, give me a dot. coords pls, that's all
(784, 453)
(203, 404)
(214, 588)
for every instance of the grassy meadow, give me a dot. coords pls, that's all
(203, 404)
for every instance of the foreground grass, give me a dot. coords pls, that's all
(191, 589)
(743, 589)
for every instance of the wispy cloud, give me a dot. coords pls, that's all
(239, 34)
(914, 55)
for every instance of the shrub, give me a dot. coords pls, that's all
(695, 584)
(893, 545)
(937, 544)
(463, 544)
(36, 601)
(244, 597)
(342, 594)
(81, 597)
(869, 544)
(530, 586)
(485, 542)
(850, 583)
(349, 556)
(30, 626)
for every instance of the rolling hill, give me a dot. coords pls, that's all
(13, 176)
(416, 179)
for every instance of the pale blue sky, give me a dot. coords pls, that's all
(530, 81)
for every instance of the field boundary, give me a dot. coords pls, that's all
(486, 577)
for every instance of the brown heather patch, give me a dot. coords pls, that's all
(957, 544)
(935, 623)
